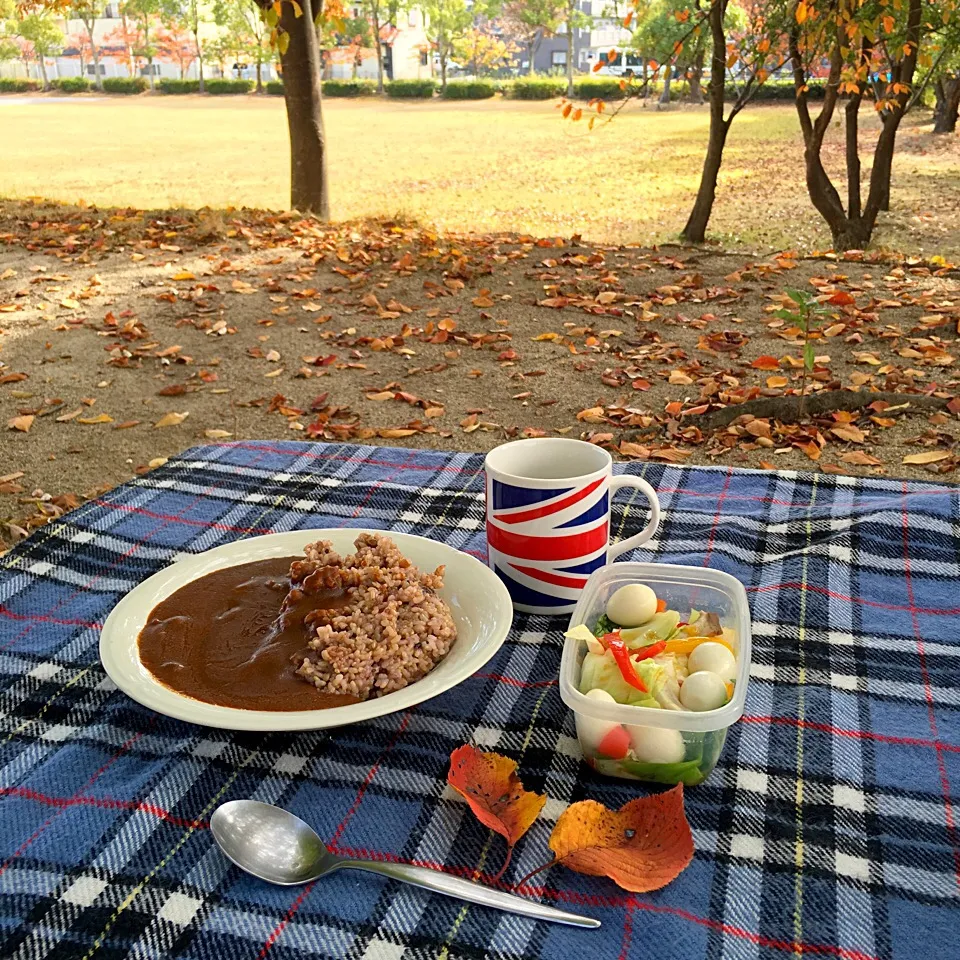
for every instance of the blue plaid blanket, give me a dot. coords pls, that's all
(830, 826)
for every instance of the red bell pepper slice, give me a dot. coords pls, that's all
(644, 653)
(621, 654)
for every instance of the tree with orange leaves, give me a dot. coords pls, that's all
(873, 48)
(176, 45)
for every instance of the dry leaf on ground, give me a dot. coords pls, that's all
(23, 424)
(171, 419)
(928, 456)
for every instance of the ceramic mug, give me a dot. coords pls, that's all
(548, 519)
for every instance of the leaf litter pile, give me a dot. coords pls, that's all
(641, 847)
(129, 336)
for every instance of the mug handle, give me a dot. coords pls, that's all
(618, 483)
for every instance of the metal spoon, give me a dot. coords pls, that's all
(280, 848)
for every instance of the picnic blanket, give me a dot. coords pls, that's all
(830, 826)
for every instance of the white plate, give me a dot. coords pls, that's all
(478, 600)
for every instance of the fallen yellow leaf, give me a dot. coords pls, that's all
(928, 456)
(23, 424)
(171, 419)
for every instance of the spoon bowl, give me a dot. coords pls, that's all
(276, 846)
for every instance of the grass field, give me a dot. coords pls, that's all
(479, 167)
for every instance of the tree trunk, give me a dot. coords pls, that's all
(97, 79)
(569, 55)
(146, 43)
(696, 228)
(196, 40)
(378, 47)
(696, 90)
(91, 25)
(947, 109)
(665, 95)
(43, 73)
(301, 92)
(442, 46)
(696, 75)
(259, 73)
(126, 42)
(852, 133)
(533, 51)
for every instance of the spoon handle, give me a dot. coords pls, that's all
(437, 882)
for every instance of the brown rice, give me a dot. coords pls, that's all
(393, 630)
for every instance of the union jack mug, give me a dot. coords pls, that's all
(548, 519)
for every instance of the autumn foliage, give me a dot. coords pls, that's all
(641, 847)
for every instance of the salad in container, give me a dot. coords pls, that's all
(655, 668)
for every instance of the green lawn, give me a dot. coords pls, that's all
(480, 167)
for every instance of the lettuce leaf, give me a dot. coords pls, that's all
(601, 670)
(604, 625)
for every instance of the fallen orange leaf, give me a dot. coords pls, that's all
(490, 785)
(765, 363)
(641, 847)
(842, 299)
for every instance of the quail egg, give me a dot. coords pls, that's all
(657, 744)
(703, 691)
(632, 605)
(714, 657)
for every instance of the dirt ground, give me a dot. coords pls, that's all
(128, 337)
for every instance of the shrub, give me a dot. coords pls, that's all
(70, 84)
(223, 86)
(179, 86)
(349, 88)
(784, 90)
(605, 88)
(411, 89)
(18, 85)
(274, 87)
(537, 88)
(469, 90)
(124, 84)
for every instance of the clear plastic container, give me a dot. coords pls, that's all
(703, 733)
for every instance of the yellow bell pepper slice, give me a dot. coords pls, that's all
(687, 645)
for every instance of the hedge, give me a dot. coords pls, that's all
(412, 89)
(469, 90)
(18, 85)
(70, 84)
(605, 88)
(124, 84)
(179, 86)
(537, 88)
(349, 88)
(785, 90)
(222, 86)
(274, 87)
